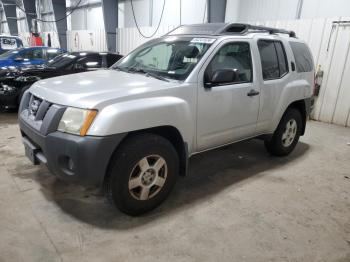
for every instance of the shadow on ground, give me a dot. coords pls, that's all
(210, 173)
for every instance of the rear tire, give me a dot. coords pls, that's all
(287, 134)
(142, 173)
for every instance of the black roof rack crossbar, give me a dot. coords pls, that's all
(246, 28)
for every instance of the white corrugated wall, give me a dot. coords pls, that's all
(263, 10)
(86, 40)
(129, 38)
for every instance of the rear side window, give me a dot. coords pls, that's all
(93, 61)
(33, 54)
(273, 59)
(282, 60)
(303, 58)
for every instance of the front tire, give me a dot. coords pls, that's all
(287, 134)
(142, 173)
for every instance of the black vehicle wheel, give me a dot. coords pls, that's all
(25, 88)
(287, 134)
(142, 173)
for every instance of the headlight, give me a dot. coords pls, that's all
(76, 121)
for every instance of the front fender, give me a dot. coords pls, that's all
(144, 113)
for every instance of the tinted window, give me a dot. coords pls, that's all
(91, 61)
(94, 61)
(273, 57)
(282, 60)
(62, 61)
(10, 53)
(111, 59)
(32, 54)
(269, 60)
(303, 58)
(233, 56)
(52, 53)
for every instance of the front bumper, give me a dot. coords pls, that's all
(72, 158)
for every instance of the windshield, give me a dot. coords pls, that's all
(172, 57)
(61, 61)
(9, 53)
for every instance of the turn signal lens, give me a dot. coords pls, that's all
(88, 121)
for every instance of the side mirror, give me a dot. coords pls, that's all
(222, 76)
(18, 59)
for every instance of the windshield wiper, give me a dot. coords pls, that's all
(147, 73)
(120, 69)
(141, 71)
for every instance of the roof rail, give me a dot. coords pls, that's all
(224, 29)
(237, 28)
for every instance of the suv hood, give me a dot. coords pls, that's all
(96, 89)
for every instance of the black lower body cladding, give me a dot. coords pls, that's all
(309, 104)
(72, 158)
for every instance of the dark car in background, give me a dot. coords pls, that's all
(28, 56)
(14, 82)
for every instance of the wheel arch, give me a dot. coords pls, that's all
(170, 133)
(301, 106)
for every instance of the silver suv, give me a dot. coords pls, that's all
(133, 127)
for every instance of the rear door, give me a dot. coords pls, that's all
(227, 112)
(273, 77)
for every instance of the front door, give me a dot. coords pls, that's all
(228, 111)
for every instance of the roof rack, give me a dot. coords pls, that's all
(224, 29)
(247, 28)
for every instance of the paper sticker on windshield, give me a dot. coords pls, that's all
(203, 40)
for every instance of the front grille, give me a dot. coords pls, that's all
(37, 108)
(40, 114)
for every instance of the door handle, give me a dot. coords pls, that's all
(253, 93)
